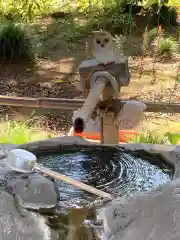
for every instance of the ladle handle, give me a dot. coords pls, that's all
(72, 182)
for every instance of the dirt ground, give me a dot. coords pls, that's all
(19, 80)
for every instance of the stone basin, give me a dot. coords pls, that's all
(149, 215)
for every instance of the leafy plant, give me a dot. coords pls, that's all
(31, 8)
(167, 47)
(167, 16)
(148, 37)
(25, 10)
(149, 137)
(162, 12)
(14, 42)
(173, 138)
(115, 21)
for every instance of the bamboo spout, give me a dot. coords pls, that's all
(83, 115)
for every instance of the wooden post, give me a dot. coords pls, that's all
(109, 132)
(109, 129)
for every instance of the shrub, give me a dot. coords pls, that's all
(148, 37)
(15, 44)
(164, 15)
(157, 44)
(16, 10)
(166, 47)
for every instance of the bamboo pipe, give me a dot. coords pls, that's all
(83, 115)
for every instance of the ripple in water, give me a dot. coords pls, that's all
(118, 172)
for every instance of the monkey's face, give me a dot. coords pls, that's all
(102, 40)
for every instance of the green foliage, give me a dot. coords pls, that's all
(149, 137)
(167, 47)
(163, 46)
(31, 8)
(25, 10)
(148, 37)
(14, 43)
(74, 30)
(168, 3)
(118, 17)
(18, 132)
(164, 15)
(173, 138)
(63, 34)
(153, 138)
(116, 22)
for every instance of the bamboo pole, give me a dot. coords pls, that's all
(94, 96)
(74, 104)
(73, 182)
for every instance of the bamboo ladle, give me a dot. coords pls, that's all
(23, 161)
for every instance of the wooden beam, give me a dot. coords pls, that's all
(162, 107)
(54, 103)
(74, 104)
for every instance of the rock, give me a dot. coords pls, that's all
(35, 191)
(130, 114)
(14, 226)
(54, 144)
(4, 148)
(150, 215)
(20, 192)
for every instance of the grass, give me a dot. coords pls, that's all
(163, 132)
(149, 137)
(19, 132)
(167, 47)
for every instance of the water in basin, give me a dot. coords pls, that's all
(113, 170)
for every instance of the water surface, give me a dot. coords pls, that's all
(116, 171)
